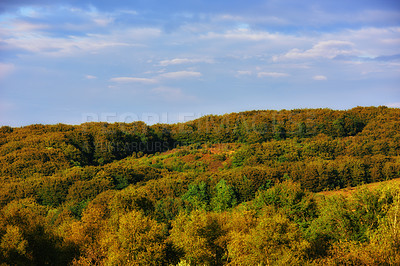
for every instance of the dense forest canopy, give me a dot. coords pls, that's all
(238, 189)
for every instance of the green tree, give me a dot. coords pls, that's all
(280, 132)
(302, 131)
(197, 196)
(225, 197)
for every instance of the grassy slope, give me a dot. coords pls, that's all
(350, 190)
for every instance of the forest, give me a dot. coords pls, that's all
(245, 188)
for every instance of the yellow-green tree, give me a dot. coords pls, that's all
(200, 235)
(139, 241)
(274, 240)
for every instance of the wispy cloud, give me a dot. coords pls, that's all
(320, 77)
(178, 61)
(181, 75)
(90, 77)
(263, 19)
(62, 46)
(242, 35)
(324, 49)
(244, 72)
(39, 38)
(18, 26)
(134, 80)
(272, 74)
(157, 79)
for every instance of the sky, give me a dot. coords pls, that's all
(172, 61)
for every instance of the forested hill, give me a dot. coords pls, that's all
(236, 188)
(322, 148)
(100, 143)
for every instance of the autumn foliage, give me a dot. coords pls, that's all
(238, 189)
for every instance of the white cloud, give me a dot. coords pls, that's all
(181, 74)
(129, 12)
(103, 22)
(168, 75)
(90, 77)
(98, 18)
(323, 49)
(319, 77)
(242, 34)
(133, 79)
(373, 42)
(62, 46)
(34, 38)
(133, 34)
(178, 61)
(272, 74)
(244, 72)
(274, 20)
(24, 26)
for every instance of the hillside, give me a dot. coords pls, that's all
(234, 189)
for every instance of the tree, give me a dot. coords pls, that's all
(139, 241)
(197, 196)
(302, 131)
(280, 132)
(225, 197)
(13, 247)
(26, 237)
(200, 236)
(273, 241)
(288, 197)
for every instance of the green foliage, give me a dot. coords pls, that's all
(242, 155)
(198, 196)
(54, 191)
(302, 131)
(280, 133)
(299, 205)
(77, 208)
(225, 197)
(167, 209)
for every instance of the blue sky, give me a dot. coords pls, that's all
(170, 61)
